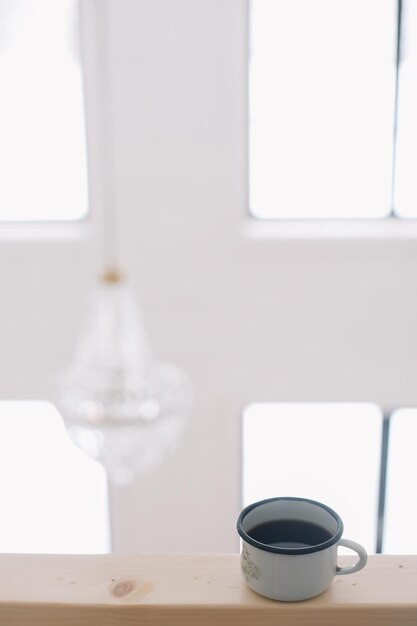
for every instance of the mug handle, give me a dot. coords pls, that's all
(363, 557)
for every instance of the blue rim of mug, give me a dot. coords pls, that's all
(268, 548)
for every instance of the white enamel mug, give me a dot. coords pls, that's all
(295, 567)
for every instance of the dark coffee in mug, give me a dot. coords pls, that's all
(289, 533)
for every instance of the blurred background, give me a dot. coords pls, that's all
(227, 187)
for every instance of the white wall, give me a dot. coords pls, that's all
(250, 319)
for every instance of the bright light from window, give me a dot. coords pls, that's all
(43, 167)
(326, 452)
(401, 502)
(53, 497)
(321, 108)
(405, 183)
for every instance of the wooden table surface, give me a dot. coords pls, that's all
(127, 590)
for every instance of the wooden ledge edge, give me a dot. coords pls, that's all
(119, 590)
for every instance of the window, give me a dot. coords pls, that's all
(54, 498)
(406, 153)
(347, 455)
(401, 503)
(328, 88)
(246, 319)
(42, 150)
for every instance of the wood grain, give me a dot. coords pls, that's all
(127, 590)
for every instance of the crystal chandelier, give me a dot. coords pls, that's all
(119, 405)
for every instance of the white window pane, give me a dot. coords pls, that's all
(401, 501)
(321, 108)
(405, 180)
(326, 452)
(53, 497)
(42, 148)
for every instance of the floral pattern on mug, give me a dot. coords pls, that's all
(249, 568)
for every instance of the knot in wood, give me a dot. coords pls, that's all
(122, 588)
